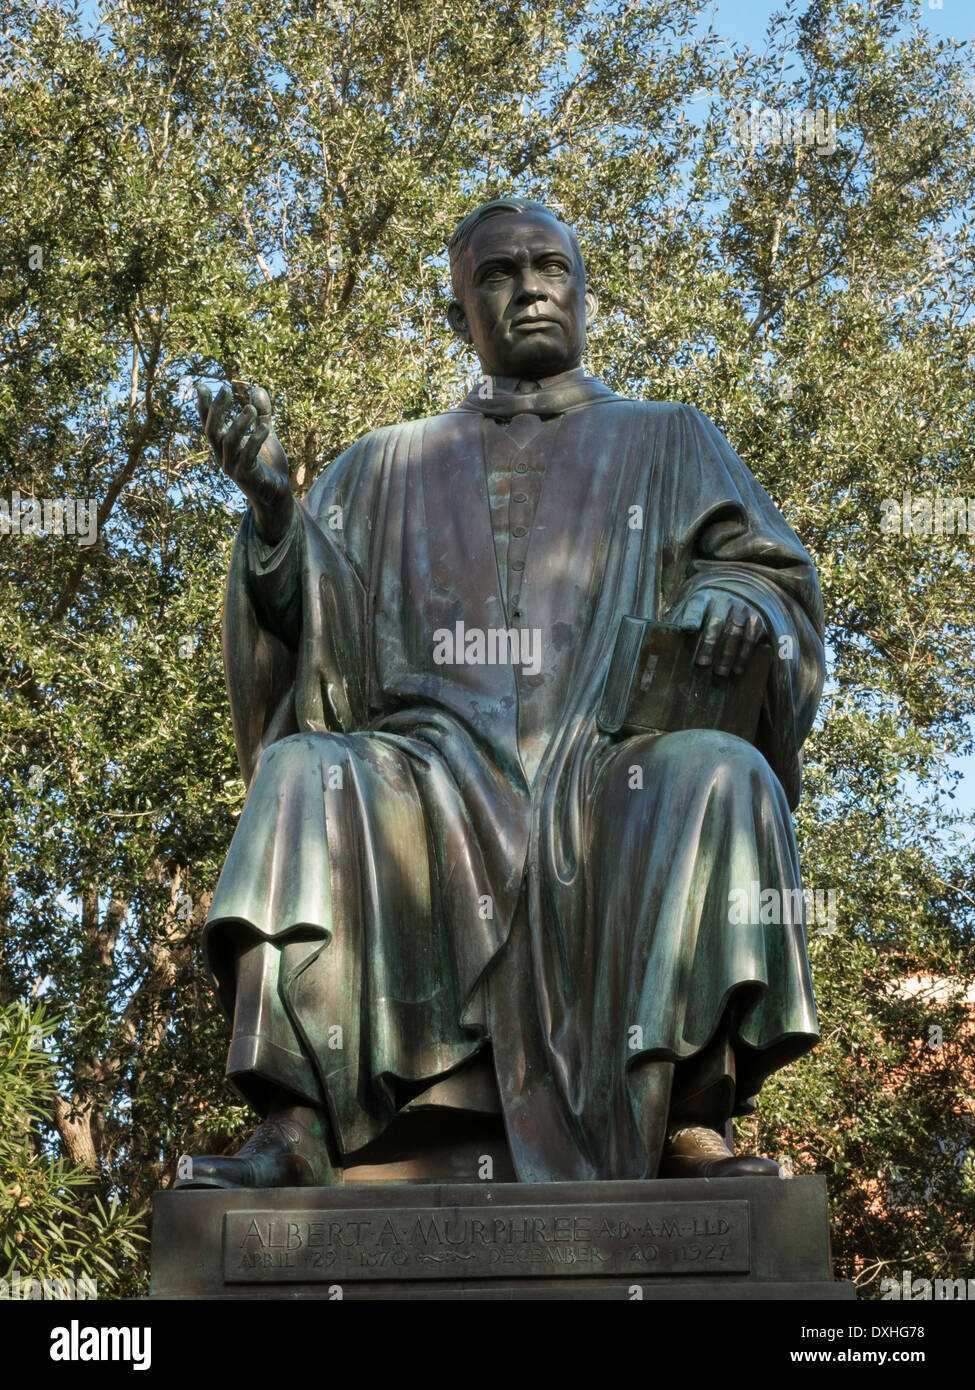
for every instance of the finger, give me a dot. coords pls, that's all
(273, 454)
(261, 402)
(729, 646)
(203, 404)
(233, 441)
(216, 421)
(693, 615)
(223, 398)
(754, 631)
(238, 431)
(252, 447)
(711, 631)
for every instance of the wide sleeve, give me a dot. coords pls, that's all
(732, 537)
(294, 630)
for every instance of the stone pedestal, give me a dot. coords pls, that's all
(728, 1238)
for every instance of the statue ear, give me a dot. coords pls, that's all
(592, 307)
(458, 320)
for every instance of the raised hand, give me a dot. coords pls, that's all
(730, 629)
(250, 452)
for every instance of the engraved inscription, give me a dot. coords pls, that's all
(643, 1239)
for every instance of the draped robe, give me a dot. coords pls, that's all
(437, 855)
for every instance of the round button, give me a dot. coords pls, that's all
(517, 613)
(519, 530)
(521, 467)
(517, 564)
(520, 497)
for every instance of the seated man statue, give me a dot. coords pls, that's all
(451, 894)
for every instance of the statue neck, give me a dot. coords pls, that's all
(504, 396)
(530, 385)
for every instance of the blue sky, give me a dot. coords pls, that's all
(745, 21)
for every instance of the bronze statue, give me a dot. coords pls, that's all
(450, 889)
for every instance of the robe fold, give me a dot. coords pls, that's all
(440, 853)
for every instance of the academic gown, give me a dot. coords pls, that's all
(436, 854)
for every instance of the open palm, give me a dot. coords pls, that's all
(250, 452)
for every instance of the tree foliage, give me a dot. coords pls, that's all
(262, 195)
(54, 1225)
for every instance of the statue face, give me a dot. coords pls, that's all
(525, 306)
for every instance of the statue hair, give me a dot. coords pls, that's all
(461, 238)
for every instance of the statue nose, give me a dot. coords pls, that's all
(532, 287)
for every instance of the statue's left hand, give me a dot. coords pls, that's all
(730, 629)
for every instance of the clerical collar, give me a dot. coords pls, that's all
(505, 396)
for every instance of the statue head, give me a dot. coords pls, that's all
(519, 283)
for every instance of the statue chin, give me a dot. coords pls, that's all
(532, 358)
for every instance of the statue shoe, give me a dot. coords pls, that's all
(280, 1153)
(698, 1152)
